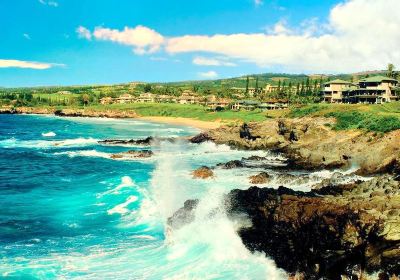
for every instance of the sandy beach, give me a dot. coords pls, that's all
(203, 125)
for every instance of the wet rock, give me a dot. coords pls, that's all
(323, 236)
(255, 158)
(200, 138)
(261, 178)
(203, 172)
(184, 215)
(133, 154)
(144, 142)
(231, 164)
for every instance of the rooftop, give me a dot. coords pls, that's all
(338, 81)
(378, 79)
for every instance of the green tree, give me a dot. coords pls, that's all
(147, 88)
(85, 98)
(390, 70)
(247, 84)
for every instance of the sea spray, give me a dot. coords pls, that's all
(209, 247)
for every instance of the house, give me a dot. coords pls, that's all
(248, 105)
(270, 88)
(146, 97)
(273, 104)
(333, 90)
(106, 100)
(376, 89)
(125, 98)
(219, 104)
(188, 97)
(165, 98)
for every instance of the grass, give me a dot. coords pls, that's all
(177, 110)
(377, 117)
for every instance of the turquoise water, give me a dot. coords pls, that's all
(68, 211)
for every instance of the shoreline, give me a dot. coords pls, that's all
(202, 125)
(199, 124)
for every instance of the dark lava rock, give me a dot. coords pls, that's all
(323, 237)
(245, 133)
(231, 164)
(200, 138)
(341, 234)
(145, 141)
(254, 158)
(184, 215)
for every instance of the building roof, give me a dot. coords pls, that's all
(338, 81)
(378, 79)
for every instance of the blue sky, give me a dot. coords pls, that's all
(68, 42)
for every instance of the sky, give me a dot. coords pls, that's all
(77, 42)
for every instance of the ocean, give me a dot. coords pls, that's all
(69, 211)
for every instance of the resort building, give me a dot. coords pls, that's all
(125, 98)
(333, 90)
(146, 97)
(376, 89)
(248, 105)
(106, 100)
(165, 99)
(219, 104)
(270, 88)
(188, 97)
(274, 104)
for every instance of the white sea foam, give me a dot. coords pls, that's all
(121, 208)
(126, 182)
(84, 153)
(45, 144)
(48, 134)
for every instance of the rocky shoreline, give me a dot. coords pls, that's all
(310, 143)
(334, 232)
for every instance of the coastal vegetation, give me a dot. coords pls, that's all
(298, 96)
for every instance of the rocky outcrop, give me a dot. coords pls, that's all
(347, 230)
(96, 113)
(200, 138)
(132, 154)
(142, 142)
(231, 164)
(310, 143)
(203, 172)
(184, 215)
(261, 178)
(351, 230)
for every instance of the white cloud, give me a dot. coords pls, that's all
(26, 36)
(49, 3)
(143, 39)
(11, 63)
(258, 2)
(205, 61)
(358, 35)
(83, 32)
(363, 34)
(208, 74)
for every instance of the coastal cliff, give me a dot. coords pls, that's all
(311, 143)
